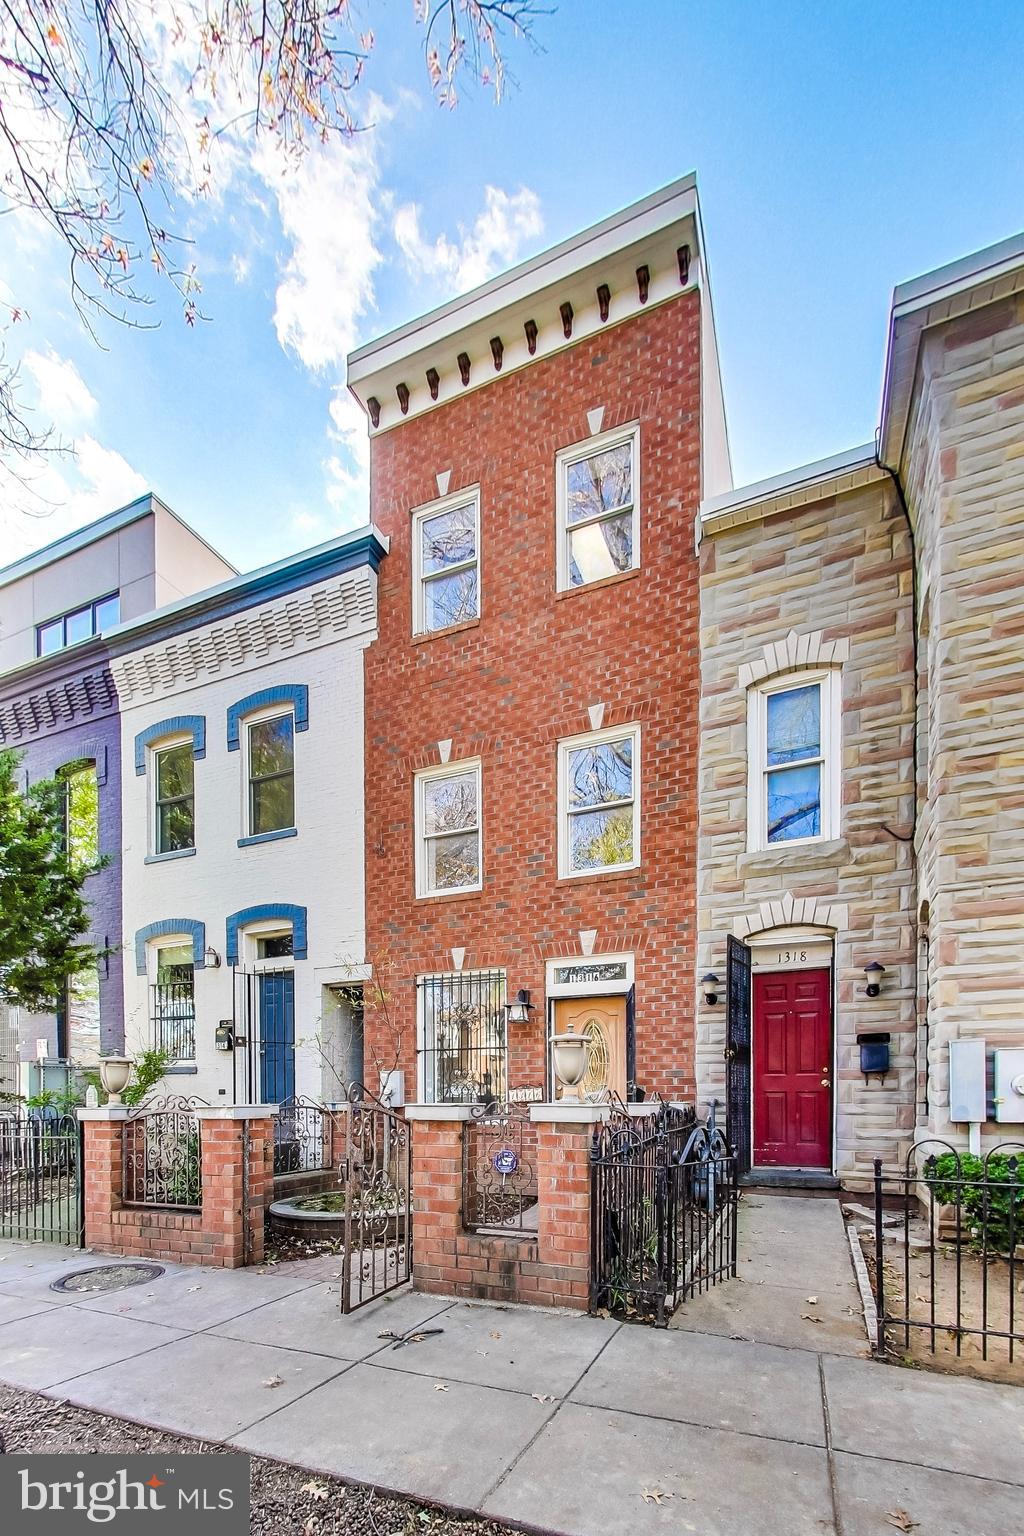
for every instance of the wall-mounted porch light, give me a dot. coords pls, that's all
(874, 973)
(710, 985)
(212, 958)
(519, 1009)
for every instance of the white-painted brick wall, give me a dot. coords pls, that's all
(321, 868)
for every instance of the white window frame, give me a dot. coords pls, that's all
(153, 750)
(465, 498)
(154, 949)
(572, 744)
(571, 455)
(260, 717)
(829, 680)
(427, 776)
(265, 928)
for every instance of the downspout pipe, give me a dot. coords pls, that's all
(894, 476)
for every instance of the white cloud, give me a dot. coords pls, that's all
(65, 493)
(326, 207)
(240, 267)
(63, 395)
(507, 222)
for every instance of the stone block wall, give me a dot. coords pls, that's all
(836, 572)
(964, 471)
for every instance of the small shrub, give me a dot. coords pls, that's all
(990, 1194)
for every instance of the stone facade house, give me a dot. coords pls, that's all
(862, 759)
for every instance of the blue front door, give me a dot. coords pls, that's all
(277, 1036)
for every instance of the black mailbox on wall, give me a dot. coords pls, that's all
(874, 1054)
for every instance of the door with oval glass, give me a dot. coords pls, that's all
(602, 1020)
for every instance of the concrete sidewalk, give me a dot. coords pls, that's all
(569, 1424)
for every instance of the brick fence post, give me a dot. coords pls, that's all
(103, 1131)
(237, 1149)
(564, 1136)
(436, 1132)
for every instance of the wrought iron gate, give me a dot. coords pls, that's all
(41, 1178)
(376, 1175)
(663, 1213)
(737, 1051)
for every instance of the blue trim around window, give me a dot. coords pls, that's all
(295, 694)
(267, 837)
(169, 925)
(177, 725)
(262, 914)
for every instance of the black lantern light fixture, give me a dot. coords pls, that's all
(874, 973)
(519, 1009)
(710, 984)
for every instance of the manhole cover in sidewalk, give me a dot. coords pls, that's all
(108, 1277)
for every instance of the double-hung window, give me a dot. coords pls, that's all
(271, 746)
(174, 779)
(599, 802)
(598, 502)
(794, 760)
(448, 836)
(446, 563)
(173, 1007)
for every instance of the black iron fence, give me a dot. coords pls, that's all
(161, 1156)
(173, 1013)
(499, 1171)
(948, 1253)
(302, 1137)
(40, 1177)
(664, 1205)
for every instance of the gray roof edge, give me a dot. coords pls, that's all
(493, 285)
(111, 522)
(962, 273)
(819, 473)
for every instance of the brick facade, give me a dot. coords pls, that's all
(505, 688)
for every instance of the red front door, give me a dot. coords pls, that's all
(793, 1069)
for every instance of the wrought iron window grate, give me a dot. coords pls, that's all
(464, 1051)
(174, 1019)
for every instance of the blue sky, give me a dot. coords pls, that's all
(840, 149)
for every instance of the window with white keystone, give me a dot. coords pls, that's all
(598, 505)
(794, 759)
(446, 563)
(599, 802)
(448, 830)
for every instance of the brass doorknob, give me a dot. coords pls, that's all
(824, 1082)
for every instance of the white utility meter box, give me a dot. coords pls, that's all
(967, 1098)
(1008, 1073)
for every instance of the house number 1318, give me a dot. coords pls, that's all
(791, 956)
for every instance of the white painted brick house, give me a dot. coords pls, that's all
(242, 827)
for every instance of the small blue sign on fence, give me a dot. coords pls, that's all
(505, 1160)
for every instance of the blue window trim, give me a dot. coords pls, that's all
(89, 750)
(267, 837)
(169, 925)
(177, 725)
(295, 694)
(270, 909)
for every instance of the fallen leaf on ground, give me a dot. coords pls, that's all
(495, 1335)
(811, 1300)
(655, 1495)
(439, 1386)
(542, 1397)
(316, 1491)
(190, 1288)
(808, 1318)
(274, 1381)
(901, 1520)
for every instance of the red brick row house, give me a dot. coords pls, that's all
(539, 451)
